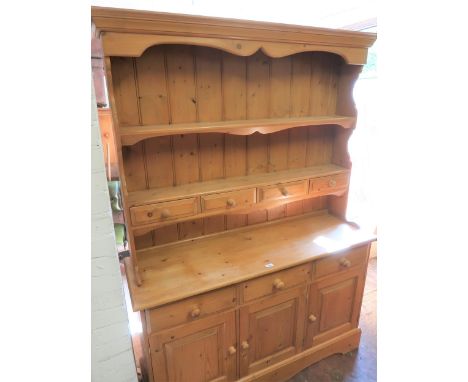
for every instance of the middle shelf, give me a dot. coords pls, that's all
(133, 134)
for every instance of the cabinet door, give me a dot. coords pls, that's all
(334, 306)
(201, 351)
(271, 330)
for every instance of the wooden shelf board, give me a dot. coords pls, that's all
(179, 270)
(155, 195)
(133, 134)
(143, 229)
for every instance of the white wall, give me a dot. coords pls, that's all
(363, 148)
(112, 357)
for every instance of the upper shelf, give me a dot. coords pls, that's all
(133, 134)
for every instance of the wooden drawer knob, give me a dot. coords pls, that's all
(244, 345)
(165, 213)
(278, 284)
(195, 313)
(149, 214)
(312, 318)
(284, 191)
(344, 262)
(231, 202)
(332, 182)
(231, 350)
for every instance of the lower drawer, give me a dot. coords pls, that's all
(340, 261)
(191, 309)
(275, 282)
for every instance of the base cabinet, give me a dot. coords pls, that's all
(333, 306)
(263, 328)
(202, 351)
(271, 330)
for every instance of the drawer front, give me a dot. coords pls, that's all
(228, 200)
(275, 282)
(283, 191)
(191, 309)
(340, 262)
(329, 183)
(164, 211)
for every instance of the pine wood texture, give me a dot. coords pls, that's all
(198, 351)
(162, 211)
(191, 309)
(269, 180)
(283, 190)
(271, 330)
(231, 138)
(235, 256)
(122, 170)
(134, 134)
(196, 87)
(228, 200)
(336, 264)
(285, 369)
(167, 205)
(334, 306)
(274, 283)
(108, 143)
(186, 84)
(130, 33)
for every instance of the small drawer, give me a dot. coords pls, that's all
(328, 183)
(340, 262)
(275, 282)
(191, 308)
(164, 211)
(283, 190)
(228, 200)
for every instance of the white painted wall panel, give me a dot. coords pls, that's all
(112, 357)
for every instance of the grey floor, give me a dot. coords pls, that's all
(359, 365)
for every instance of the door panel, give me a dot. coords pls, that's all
(197, 352)
(334, 305)
(271, 330)
(274, 329)
(201, 347)
(337, 304)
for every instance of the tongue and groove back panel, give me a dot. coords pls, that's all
(180, 83)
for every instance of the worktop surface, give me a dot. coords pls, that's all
(179, 270)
